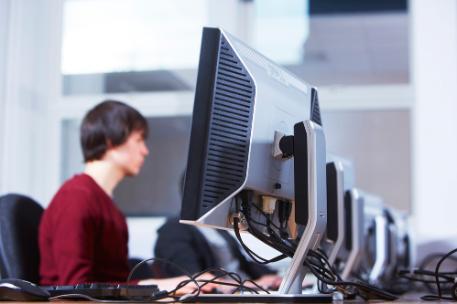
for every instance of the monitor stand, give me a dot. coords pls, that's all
(256, 298)
(380, 265)
(310, 198)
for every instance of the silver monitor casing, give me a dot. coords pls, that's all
(375, 215)
(330, 246)
(382, 253)
(400, 244)
(358, 235)
(280, 101)
(317, 213)
(344, 182)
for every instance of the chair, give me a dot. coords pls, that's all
(19, 254)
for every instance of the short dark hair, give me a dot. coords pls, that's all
(109, 124)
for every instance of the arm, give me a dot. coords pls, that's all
(74, 238)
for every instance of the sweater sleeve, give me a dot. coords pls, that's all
(75, 238)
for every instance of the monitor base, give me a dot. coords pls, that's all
(258, 298)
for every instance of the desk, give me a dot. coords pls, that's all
(408, 299)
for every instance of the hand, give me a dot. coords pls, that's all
(170, 284)
(165, 284)
(269, 281)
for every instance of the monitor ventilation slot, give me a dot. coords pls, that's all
(229, 134)
(315, 110)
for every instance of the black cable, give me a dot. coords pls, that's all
(273, 241)
(268, 225)
(437, 278)
(424, 281)
(285, 249)
(236, 228)
(361, 286)
(257, 285)
(316, 262)
(263, 213)
(129, 277)
(163, 294)
(326, 262)
(238, 286)
(234, 276)
(437, 269)
(425, 263)
(252, 254)
(318, 266)
(412, 275)
(435, 298)
(429, 258)
(222, 272)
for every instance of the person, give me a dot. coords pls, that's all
(206, 248)
(83, 236)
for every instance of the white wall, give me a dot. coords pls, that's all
(434, 76)
(30, 79)
(4, 8)
(143, 235)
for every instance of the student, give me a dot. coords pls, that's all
(83, 235)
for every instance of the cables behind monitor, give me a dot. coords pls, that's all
(315, 261)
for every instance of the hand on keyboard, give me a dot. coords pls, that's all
(171, 283)
(269, 281)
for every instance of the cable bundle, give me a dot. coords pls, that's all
(445, 282)
(316, 261)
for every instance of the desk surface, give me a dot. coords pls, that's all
(409, 299)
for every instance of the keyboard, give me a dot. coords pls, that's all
(107, 291)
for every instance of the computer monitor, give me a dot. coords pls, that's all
(400, 248)
(249, 117)
(377, 255)
(354, 243)
(368, 237)
(340, 179)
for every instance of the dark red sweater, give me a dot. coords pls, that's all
(83, 236)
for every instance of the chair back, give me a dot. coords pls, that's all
(19, 221)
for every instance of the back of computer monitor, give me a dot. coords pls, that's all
(399, 244)
(333, 239)
(340, 179)
(354, 232)
(245, 107)
(377, 254)
(241, 100)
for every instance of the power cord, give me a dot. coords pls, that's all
(218, 273)
(168, 293)
(316, 262)
(440, 278)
